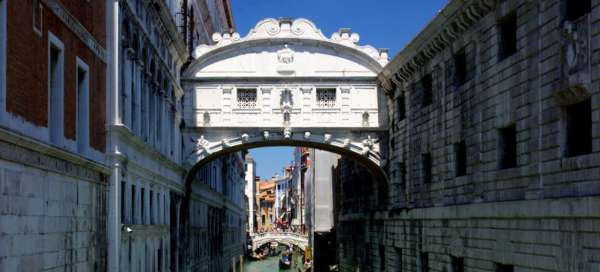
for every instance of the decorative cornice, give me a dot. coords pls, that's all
(451, 22)
(77, 28)
(168, 26)
(37, 154)
(144, 148)
(293, 29)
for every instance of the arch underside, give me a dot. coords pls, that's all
(363, 146)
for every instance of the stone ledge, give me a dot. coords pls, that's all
(585, 207)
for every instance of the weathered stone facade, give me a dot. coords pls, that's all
(53, 185)
(494, 144)
(52, 208)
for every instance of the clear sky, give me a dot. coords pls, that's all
(380, 23)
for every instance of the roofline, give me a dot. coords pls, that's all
(450, 22)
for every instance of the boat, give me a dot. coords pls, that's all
(285, 261)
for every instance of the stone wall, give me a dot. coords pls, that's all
(52, 210)
(527, 196)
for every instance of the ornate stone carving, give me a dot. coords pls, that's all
(575, 53)
(285, 55)
(200, 146)
(575, 46)
(287, 133)
(453, 26)
(206, 118)
(296, 29)
(368, 145)
(287, 99)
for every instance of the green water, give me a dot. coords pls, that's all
(271, 264)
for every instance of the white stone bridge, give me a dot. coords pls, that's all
(285, 84)
(287, 238)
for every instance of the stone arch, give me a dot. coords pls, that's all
(288, 243)
(204, 149)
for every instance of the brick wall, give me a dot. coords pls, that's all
(27, 65)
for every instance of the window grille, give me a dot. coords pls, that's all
(246, 98)
(326, 98)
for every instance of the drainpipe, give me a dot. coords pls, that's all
(114, 156)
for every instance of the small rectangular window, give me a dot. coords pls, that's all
(382, 257)
(427, 85)
(37, 16)
(504, 267)
(326, 97)
(399, 259)
(426, 165)
(401, 107)
(579, 128)
(56, 89)
(403, 173)
(424, 261)
(142, 206)
(132, 221)
(460, 156)
(82, 108)
(151, 207)
(460, 66)
(458, 264)
(123, 206)
(576, 9)
(246, 98)
(508, 147)
(507, 28)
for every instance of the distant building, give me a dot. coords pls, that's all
(282, 198)
(319, 206)
(250, 193)
(218, 215)
(300, 165)
(266, 201)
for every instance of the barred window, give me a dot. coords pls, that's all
(246, 98)
(326, 98)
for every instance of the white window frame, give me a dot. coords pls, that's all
(53, 41)
(3, 71)
(40, 13)
(82, 116)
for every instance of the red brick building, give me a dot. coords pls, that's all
(61, 43)
(53, 172)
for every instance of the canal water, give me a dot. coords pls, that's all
(271, 264)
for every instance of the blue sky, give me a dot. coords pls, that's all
(380, 23)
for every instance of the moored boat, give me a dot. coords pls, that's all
(285, 262)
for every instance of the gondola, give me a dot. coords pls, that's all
(285, 262)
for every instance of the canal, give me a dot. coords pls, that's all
(272, 264)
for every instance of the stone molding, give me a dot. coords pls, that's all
(141, 146)
(205, 145)
(299, 29)
(450, 23)
(522, 209)
(19, 149)
(77, 28)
